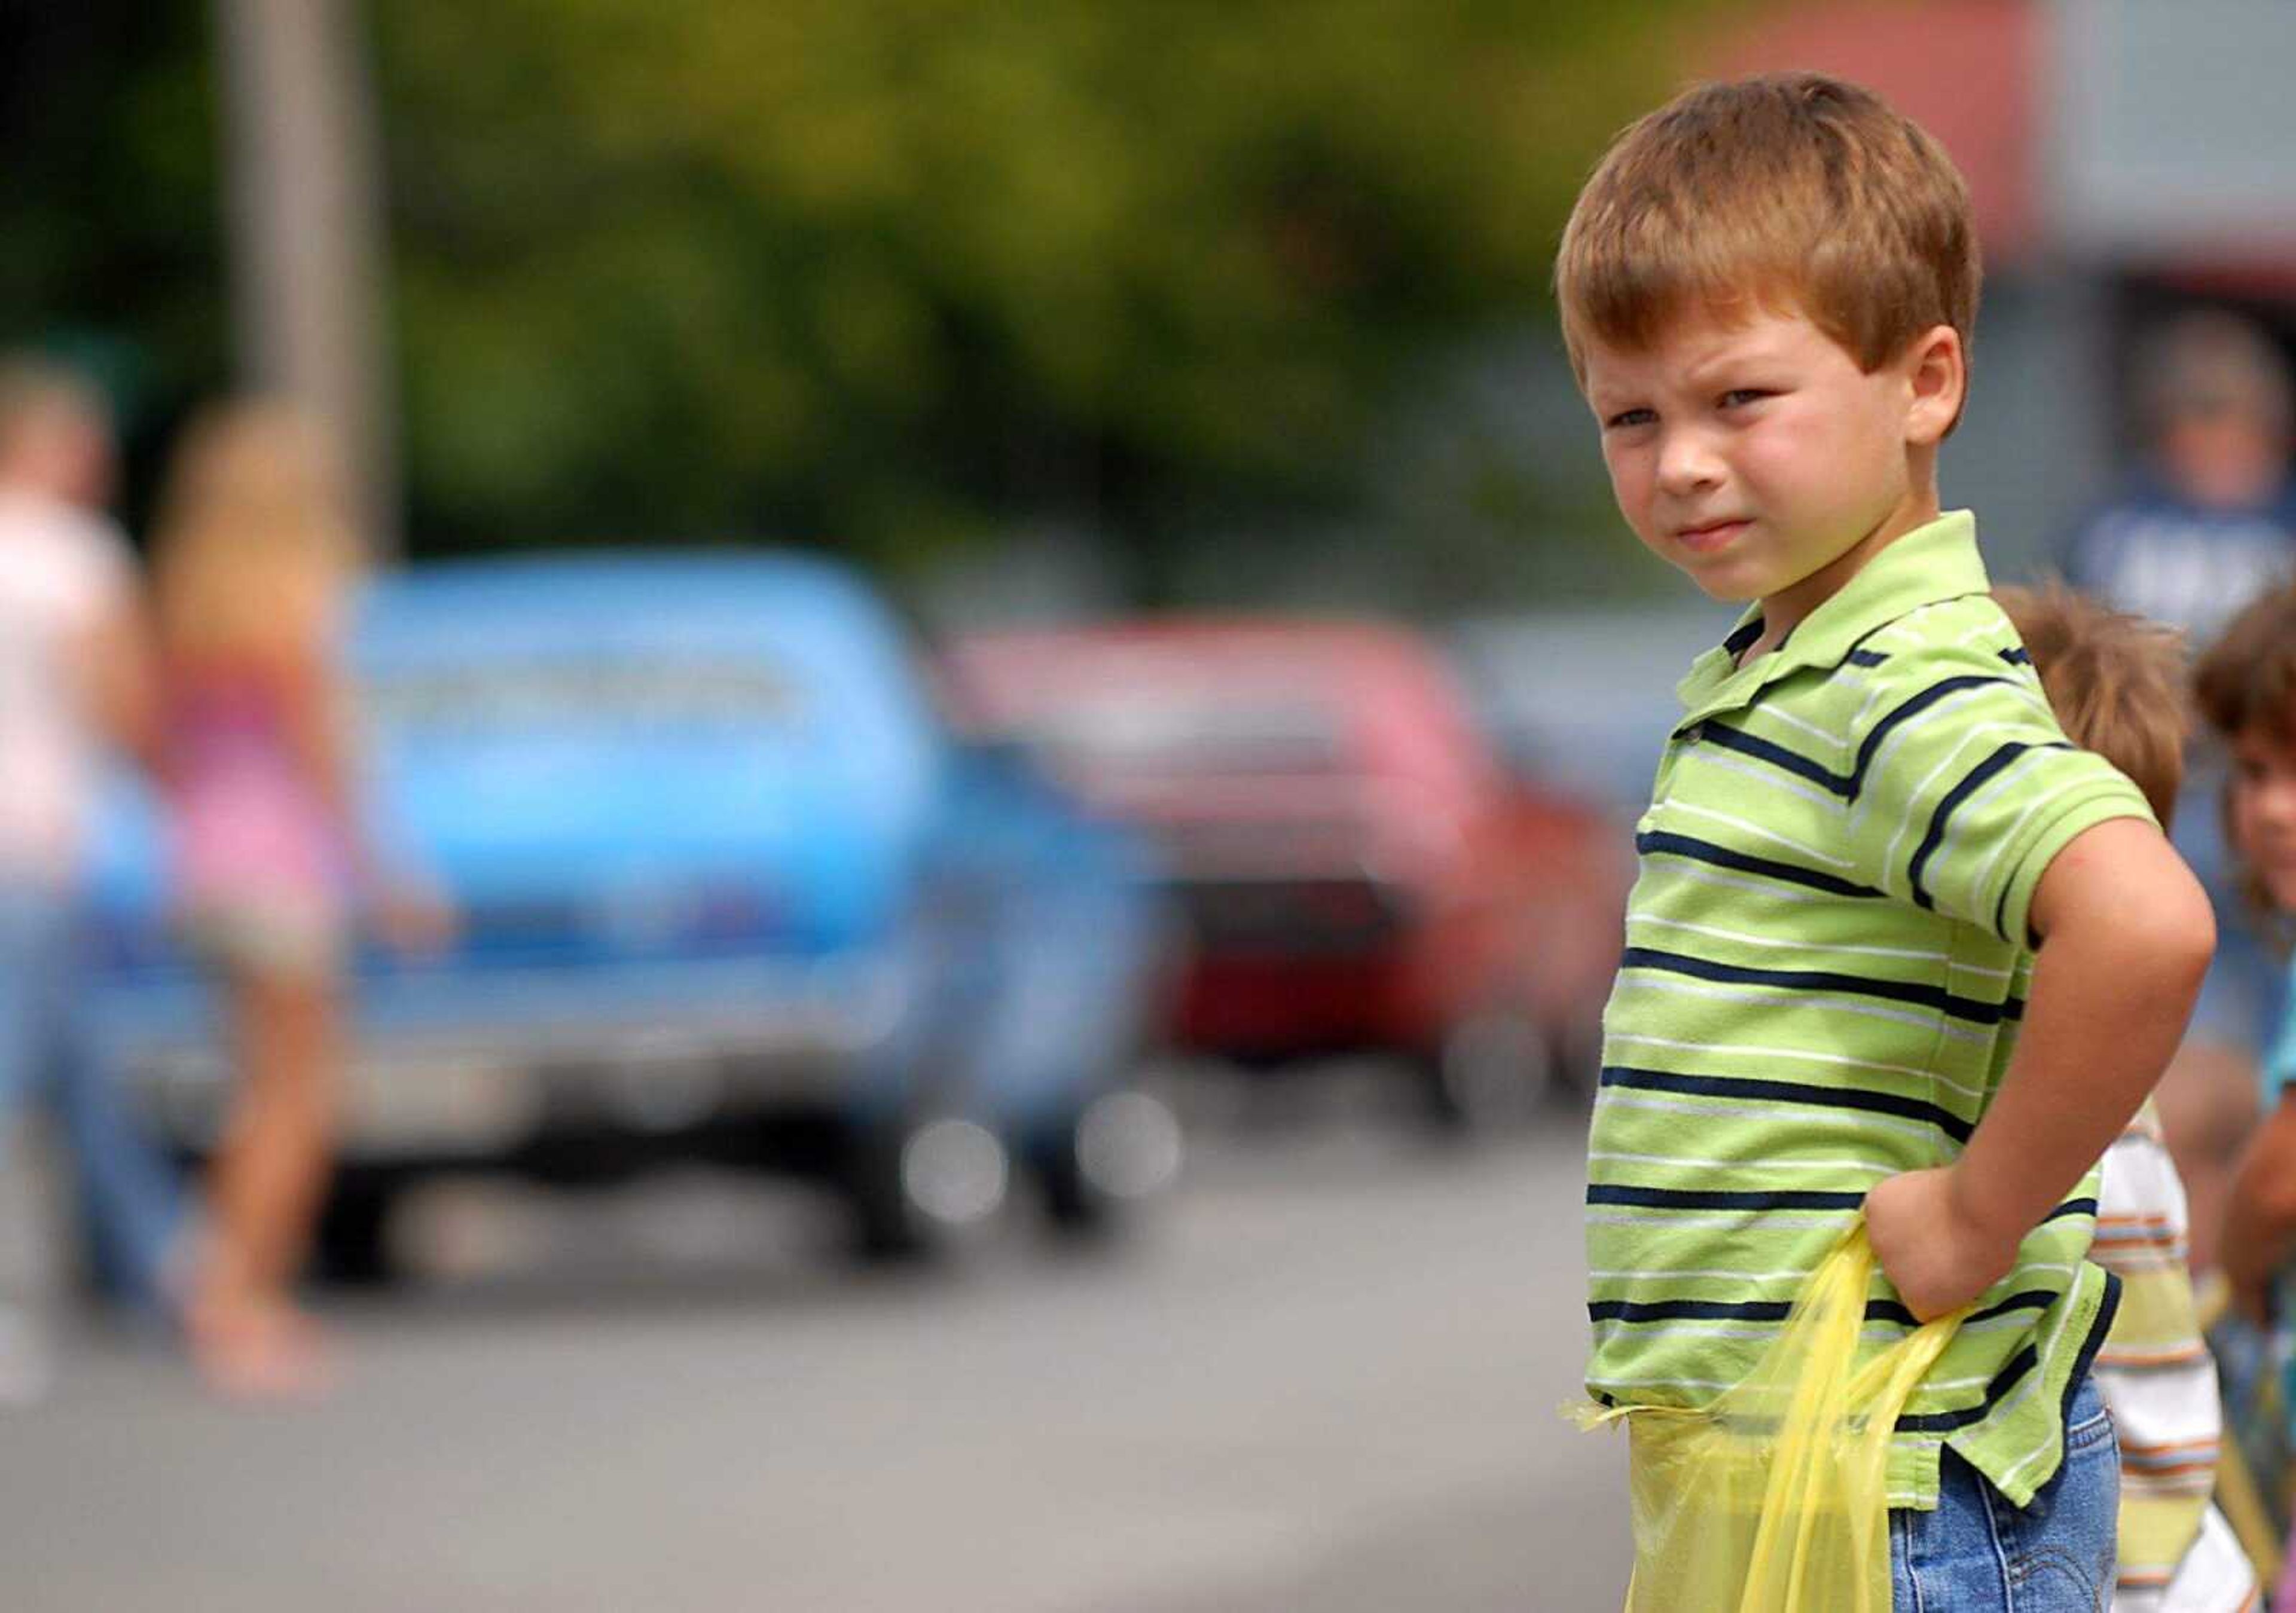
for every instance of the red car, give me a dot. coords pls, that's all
(1357, 871)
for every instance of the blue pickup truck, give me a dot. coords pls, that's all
(730, 888)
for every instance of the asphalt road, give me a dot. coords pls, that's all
(1324, 1375)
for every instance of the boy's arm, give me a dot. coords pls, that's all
(2259, 1225)
(2127, 934)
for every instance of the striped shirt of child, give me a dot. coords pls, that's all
(2177, 1552)
(1842, 844)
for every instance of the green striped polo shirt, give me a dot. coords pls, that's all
(1818, 992)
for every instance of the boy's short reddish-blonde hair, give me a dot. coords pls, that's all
(1789, 191)
(2115, 680)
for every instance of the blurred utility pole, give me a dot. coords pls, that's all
(302, 177)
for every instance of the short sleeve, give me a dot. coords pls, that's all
(1966, 789)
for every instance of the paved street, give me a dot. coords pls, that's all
(1325, 1376)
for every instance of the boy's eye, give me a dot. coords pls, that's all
(1739, 396)
(1625, 418)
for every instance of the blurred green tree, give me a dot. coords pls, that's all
(895, 272)
(892, 273)
(109, 203)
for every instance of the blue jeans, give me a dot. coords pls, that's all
(1977, 1552)
(131, 1198)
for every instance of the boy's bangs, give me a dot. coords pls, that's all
(1631, 303)
(1791, 192)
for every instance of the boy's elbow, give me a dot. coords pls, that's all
(2180, 944)
(2193, 928)
(2182, 933)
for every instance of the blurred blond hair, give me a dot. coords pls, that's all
(2115, 680)
(253, 551)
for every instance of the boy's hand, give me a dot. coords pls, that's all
(1936, 1253)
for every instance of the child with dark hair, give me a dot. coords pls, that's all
(2246, 687)
(2117, 684)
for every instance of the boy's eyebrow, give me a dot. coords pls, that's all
(1733, 352)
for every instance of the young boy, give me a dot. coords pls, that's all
(2117, 685)
(1865, 817)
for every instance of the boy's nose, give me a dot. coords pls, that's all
(1687, 463)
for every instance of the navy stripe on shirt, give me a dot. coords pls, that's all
(1971, 783)
(1704, 1198)
(1762, 1089)
(1846, 785)
(1913, 706)
(1777, 1310)
(1723, 856)
(1920, 995)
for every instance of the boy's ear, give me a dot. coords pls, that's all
(1937, 378)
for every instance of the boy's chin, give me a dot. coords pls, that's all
(1723, 587)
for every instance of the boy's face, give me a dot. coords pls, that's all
(2264, 810)
(1758, 458)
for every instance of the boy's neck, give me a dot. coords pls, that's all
(1790, 606)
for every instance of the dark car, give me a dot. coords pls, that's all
(729, 888)
(1357, 872)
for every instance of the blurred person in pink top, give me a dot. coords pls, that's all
(254, 559)
(74, 687)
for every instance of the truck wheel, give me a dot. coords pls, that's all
(352, 1245)
(916, 1185)
(1120, 1147)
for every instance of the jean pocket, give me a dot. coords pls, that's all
(2090, 1432)
(2060, 1549)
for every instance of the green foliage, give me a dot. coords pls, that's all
(114, 238)
(886, 273)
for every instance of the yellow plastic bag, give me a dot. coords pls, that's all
(1775, 1498)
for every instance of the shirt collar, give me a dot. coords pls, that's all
(1935, 561)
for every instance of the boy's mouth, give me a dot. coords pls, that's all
(1709, 536)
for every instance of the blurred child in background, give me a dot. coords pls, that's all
(254, 559)
(2205, 524)
(2207, 521)
(2247, 690)
(74, 686)
(2116, 683)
